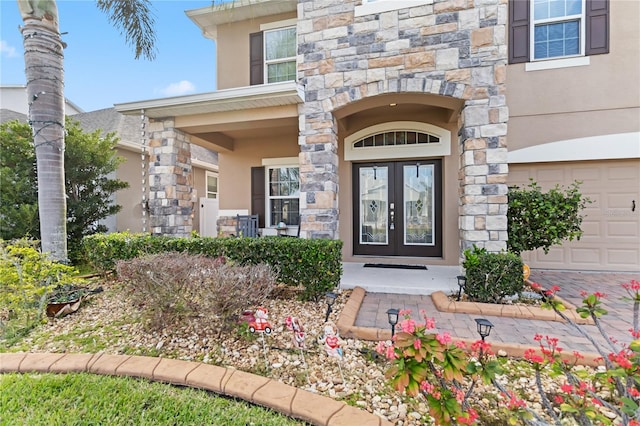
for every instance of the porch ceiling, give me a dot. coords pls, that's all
(216, 119)
(401, 106)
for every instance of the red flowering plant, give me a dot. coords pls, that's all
(582, 394)
(430, 364)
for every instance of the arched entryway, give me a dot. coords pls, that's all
(397, 188)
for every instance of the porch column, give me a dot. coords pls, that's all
(483, 175)
(318, 142)
(170, 180)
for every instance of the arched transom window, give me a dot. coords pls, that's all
(398, 139)
(402, 137)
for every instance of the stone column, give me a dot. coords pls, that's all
(318, 174)
(170, 180)
(484, 169)
(318, 130)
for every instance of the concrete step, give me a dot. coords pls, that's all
(400, 281)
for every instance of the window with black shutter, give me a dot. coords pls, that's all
(552, 29)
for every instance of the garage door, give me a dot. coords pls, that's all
(611, 239)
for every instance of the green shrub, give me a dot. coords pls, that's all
(539, 219)
(492, 276)
(315, 265)
(27, 277)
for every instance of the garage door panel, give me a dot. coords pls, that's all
(623, 173)
(586, 256)
(591, 229)
(622, 201)
(622, 257)
(554, 257)
(585, 174)
(627, 230)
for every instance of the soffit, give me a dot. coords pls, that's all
(237, 99)
(208, 18)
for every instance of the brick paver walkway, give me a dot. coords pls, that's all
(372, 312)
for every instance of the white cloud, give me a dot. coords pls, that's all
(7, 50)
(180, 88)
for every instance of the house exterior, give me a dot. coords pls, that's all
(398, 125)
(133, 216)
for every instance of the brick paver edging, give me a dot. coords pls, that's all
(346, 326)
(444, 304)
(293, 402)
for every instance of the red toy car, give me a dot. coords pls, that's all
(260, 322)
(258, 325)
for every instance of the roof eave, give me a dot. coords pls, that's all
(242, 98)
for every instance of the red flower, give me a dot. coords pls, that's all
(471, 417)
(532, 356)
(567, 388)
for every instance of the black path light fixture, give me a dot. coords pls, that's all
(330, 298)
(462, 280)
(392, 317)
(484, 327)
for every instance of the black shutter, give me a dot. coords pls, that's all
(597, 27)
(258, 198)
(256, 58)
(518, 31)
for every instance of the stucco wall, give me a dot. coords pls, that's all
(233, 50)
(597, 99)
(235, 167)
(130, 217)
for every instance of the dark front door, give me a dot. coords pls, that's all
(398, 208)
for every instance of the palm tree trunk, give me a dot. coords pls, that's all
(43, 57)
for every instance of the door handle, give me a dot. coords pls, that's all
(392, 216)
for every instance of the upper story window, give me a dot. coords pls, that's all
(273, 55)
(557, 29)
(280, 54)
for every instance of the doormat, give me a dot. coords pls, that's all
(392, 266)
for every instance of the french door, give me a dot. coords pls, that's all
(398, 208)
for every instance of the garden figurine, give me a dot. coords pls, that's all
(261, 323)
(293, 324)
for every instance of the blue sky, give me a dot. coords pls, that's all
(100, 69)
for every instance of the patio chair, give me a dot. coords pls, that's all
(247, 226)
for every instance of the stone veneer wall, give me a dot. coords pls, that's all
(446, 47)
(170, 180)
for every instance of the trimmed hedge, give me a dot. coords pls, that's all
(314, 264)
(492, 276)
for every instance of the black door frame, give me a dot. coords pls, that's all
(396, 245)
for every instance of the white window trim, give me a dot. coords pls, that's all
(398, 151)
(380, 6)
(551, 64)
(279, 24)
(267, 62)
(206, 183)
(272, 163)
(532, 29)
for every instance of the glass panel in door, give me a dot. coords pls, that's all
(419, 206)
(373, 203)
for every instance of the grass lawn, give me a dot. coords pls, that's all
(74, 399)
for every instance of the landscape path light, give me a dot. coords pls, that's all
(330, 298)
(462, 280)
(484, 327)
(392, 317)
